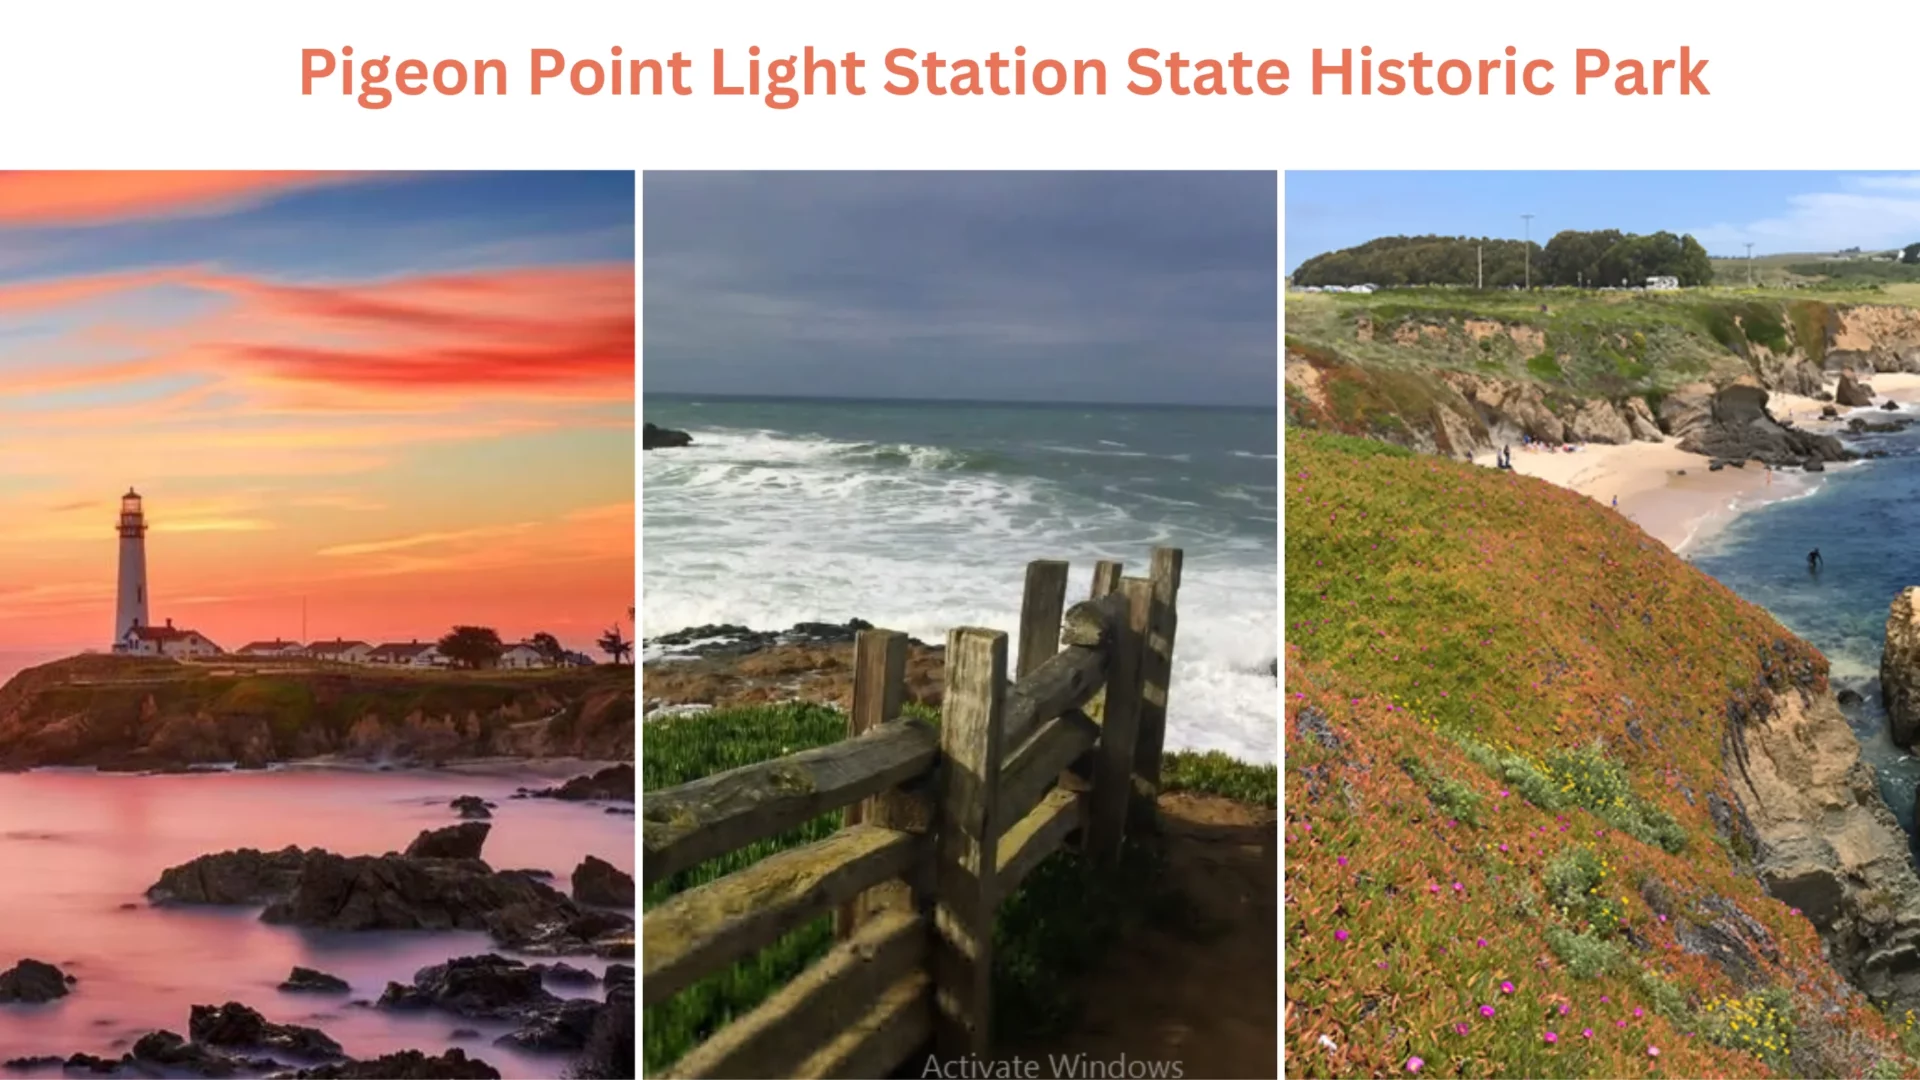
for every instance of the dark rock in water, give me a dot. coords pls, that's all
(609, 1051)
(33, 981)
(245, 876)
(462, 841)
(654, 437)
(1828, 412)
(29, 1064)
(485, 987)
(566, 974)
(1813, 465)
(728, 639)
(395, 892)
(167, 1050)
(236, 1025)
(564, 1026)
(463, 1033)
(601, 884)
(612, 782)
(307, 980)
(1859, 426)
(1716, 466)
(1890, 406)
(1848, 697)
(1851, 393)
(405, 1065)
(90, 1063)
(472, 806)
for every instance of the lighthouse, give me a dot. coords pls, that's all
(131, 609)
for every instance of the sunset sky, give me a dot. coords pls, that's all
(405, 398)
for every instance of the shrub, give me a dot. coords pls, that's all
(1761, 1024)
(1544, 366)
(1576, 880)
(1214, 773)
(1454, 798)
(1589, 778)
(1586, 955)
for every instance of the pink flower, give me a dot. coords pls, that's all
(1604, 999)
(1414, 1063)
(1653, 1051)
(1564, 1008)
(1486, 1010)
(1457, 887)
(1619, 1023)
(1503, 793)
(1342, 860)
(1460, 1029)
(1638, 1013)
(1503, 847)
(1793, 911)
(1663, 918)
(1340, 935)
(1550, 1038)
(1482, 942)
(1586, 1033)
(1506, 988)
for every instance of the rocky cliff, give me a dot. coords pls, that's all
(123, 713)
(1900, 668)
(1823, 840)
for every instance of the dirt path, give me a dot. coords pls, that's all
(1206, 998)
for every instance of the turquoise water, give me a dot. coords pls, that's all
(1863, 519)
(922, 516)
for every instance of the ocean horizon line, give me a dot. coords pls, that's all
(827, 399)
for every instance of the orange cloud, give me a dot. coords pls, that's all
(88, 198)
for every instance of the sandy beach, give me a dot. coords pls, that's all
(1671, 493)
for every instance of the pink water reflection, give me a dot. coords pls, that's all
(79, 849)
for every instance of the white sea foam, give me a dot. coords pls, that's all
(766, 530)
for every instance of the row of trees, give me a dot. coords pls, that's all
(1572, 258)
(476, 647)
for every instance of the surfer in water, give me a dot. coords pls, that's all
(1814, 561)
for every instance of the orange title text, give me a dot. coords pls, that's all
(375, 80)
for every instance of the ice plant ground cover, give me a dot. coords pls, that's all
(1504, 711)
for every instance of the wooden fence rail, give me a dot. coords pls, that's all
(940, 826)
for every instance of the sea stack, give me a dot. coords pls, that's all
(655, 437)
(1900, 668)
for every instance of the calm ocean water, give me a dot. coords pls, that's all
(1863, 518)
(922, 516)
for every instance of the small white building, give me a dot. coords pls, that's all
(523, 655)
(1663, 283)
(276, 647)
(407, 654)
(340, 651)
(166, 641)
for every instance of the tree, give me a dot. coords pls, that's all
(615, 644)
(549, 648)
(1910, 254)
(472, 647)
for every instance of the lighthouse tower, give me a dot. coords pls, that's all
(131, 610)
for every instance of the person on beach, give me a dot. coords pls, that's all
(1813, 561)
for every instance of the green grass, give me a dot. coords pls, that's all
(1047, 934)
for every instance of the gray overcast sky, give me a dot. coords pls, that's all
(1017, 286)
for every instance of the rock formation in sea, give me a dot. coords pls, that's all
(655, 437)
(34, 981)
(599, 883)
(1732, 423)
(1851, 393)
(1900, 668)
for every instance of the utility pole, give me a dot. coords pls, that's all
(1528, 218)
(303, 620)
(1749, 264)
(1479, 268)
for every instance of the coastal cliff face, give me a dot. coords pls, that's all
(123, 713)
(1900, 667)
(1408, 369)
(1825, 842)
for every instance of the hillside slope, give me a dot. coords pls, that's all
(1541, 775)
(131, 713)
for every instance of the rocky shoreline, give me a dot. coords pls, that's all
(727, 665)
(440, 882)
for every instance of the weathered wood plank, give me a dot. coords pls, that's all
(1040, 608)
(1039, 835)
(972, 721)
(1091, 622)
(1067, 681)
(1156, 665)
(685, 825)
(1036, 764)
(1106, 578)
(1113, 765)
(900, 1023)
(835, 994)
(703, 929)
(879, 685)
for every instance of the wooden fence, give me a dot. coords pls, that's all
(941, 825)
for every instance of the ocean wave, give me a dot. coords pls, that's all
(1251, 454)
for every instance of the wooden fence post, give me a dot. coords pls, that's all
(879, 678)
(972, 716)
(1119, 727)
(1106, 578)
(1157, 665)
(1040, 609)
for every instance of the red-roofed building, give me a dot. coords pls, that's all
(276, 647)
(166, 641)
